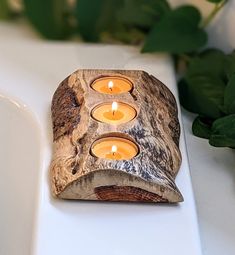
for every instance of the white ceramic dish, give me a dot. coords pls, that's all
(35, 223)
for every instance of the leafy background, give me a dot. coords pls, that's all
(206, 76)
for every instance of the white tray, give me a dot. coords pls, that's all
(32, 222)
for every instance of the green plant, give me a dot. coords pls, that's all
(208, 89)
(207, 85)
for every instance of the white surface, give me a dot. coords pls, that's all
(31, 71)
(20, 165)
(213, 173)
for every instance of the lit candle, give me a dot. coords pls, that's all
(112, 85)
(114, 108)
(113, 113)
(115, 148)
(113, 154)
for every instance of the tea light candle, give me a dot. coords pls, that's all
(115, 148)
(112, 85)
(113, 113)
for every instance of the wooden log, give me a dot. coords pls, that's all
(148, 177)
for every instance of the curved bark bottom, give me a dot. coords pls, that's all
(126, 193)
(115, 185)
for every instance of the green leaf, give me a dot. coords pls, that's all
(229, 96)
(185, 96)
(48, 17)
(201, 127)
(202, 94)
(4, 9)
(223, 132)
(206, 77)
(142, 13)
(177, 32)
(209, 62)
(96, 17)
(230, 65)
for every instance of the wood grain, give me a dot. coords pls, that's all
(149, 177)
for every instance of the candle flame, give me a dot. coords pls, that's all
(114, 106)
(114, 149)
(110, 85)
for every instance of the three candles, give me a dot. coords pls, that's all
(113, 113)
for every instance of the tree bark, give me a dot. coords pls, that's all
(148, 177)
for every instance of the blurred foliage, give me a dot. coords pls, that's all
(49, 17)
(208, 89)
(207, 84)
(4, 9)
(177, 32)
(223, 132)
(97, 18)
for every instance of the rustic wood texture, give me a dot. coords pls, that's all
(148, 177)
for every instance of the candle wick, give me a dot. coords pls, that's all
(113, 112)
(111, 88)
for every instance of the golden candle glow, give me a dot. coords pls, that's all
(115, 148)
(114, 107)
(113, 113)
(112, 85)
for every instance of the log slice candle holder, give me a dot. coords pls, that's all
(143, 170)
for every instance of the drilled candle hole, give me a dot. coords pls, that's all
(114, 148)
(112, 85)
(114, 113)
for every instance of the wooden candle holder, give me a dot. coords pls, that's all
(149, 176)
